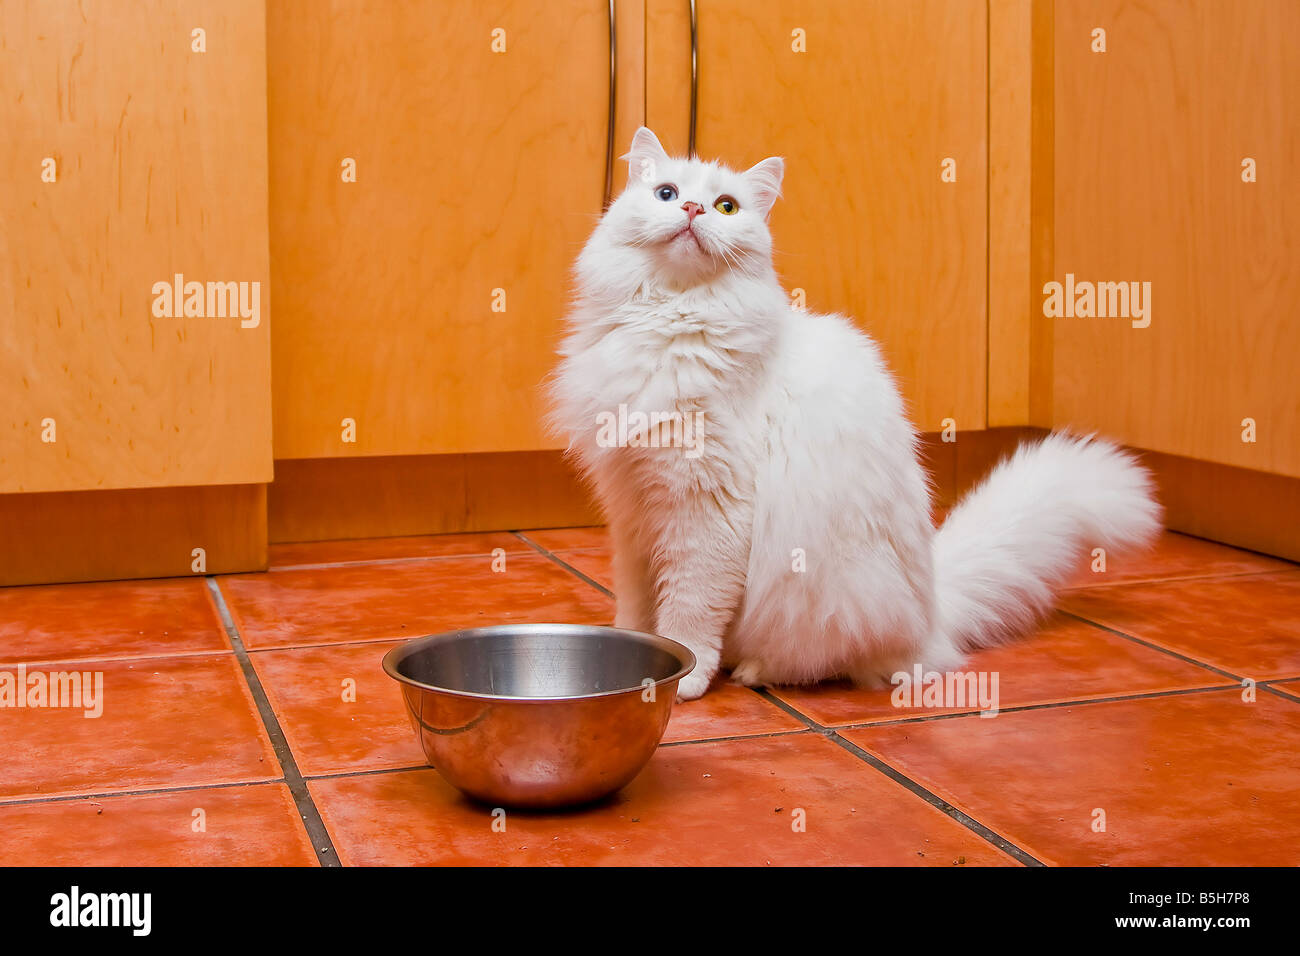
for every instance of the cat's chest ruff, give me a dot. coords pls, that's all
(665, 338)
(663, 323)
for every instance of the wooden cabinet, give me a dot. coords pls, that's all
(129, 157)
(413, 180)
(1155, 140)
(870, 102)
(421, 303)
(479, 174)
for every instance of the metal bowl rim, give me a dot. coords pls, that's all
(402, 651)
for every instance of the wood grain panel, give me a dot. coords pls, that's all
(1042, 209)
(630, 114)
(160, 168)
(133, 533)
(885, 92)
(1011, 299)
(475, 171)
(1150, 138)
(1249, 509)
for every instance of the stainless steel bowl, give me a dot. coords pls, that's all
(539, 715)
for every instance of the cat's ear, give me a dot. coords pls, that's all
(765, 181)
(645, 157)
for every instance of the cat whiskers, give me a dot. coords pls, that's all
(739, 259)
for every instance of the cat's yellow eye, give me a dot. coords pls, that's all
(727, 206)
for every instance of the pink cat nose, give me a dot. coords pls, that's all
(693, 209)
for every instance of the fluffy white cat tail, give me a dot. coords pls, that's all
(1014, 541)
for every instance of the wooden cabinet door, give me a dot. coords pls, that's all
(420, 304)
(866, 100)
(1155, 139)
(128, 157)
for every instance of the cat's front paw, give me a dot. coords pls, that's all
(748, 674)
(692, 686)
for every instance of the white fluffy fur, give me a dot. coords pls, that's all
(806, 446)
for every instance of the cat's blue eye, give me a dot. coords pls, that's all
(666, 192)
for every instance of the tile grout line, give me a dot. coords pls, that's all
(1150, 646)
(135, 792)
(731, 738)
(122, 659)
(373, 772)
(568, 567)
(1239, 678)
(1047, 705)
(369, 562)
(1222, 576)
(907, 783)
(1012, 850)
(321, 843)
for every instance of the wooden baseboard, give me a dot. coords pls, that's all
(956, 466)
(106, 535)
(1249, 509)
(320, 499)
(52, 537)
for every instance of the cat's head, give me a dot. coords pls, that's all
(692, 220)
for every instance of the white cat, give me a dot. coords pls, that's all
(790, 537)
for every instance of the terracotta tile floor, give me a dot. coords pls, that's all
(245, 721)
